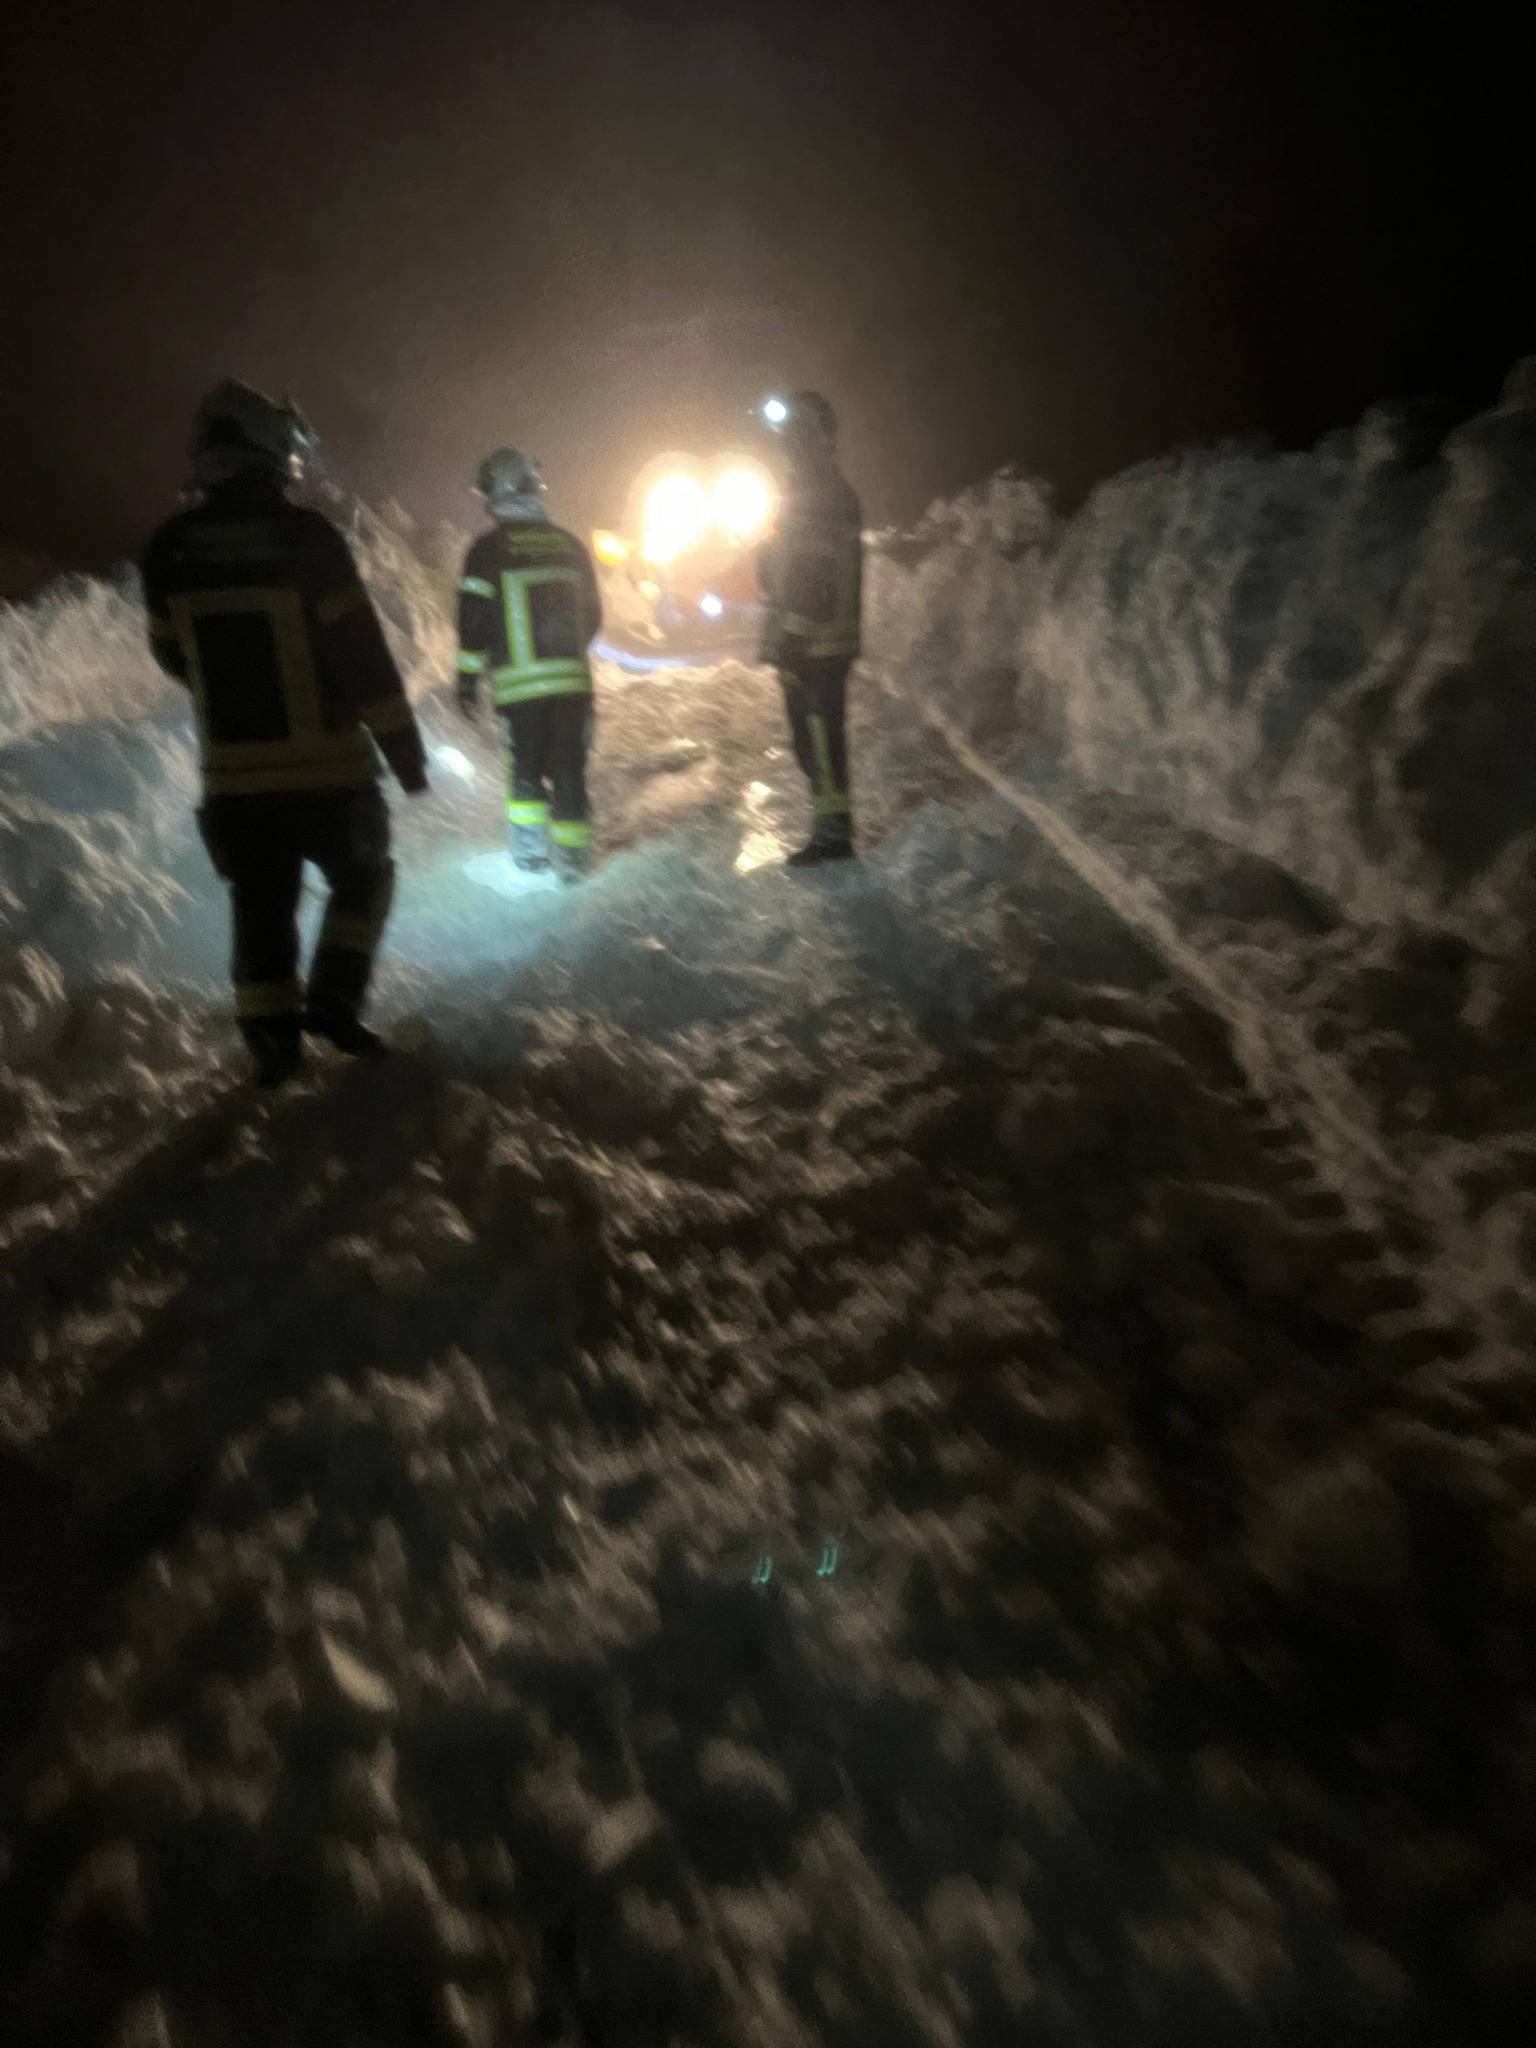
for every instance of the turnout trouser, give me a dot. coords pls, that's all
(816, 699)
(259, 845)
(546, 746)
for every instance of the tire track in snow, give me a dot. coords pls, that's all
(1285, 1070)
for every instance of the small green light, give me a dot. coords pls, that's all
(762, 1571)
(826, 1564)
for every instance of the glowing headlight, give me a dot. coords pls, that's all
(610, 549)
(743, 502)
(775, 411)
(676, 517)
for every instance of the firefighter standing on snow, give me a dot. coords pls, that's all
(811, 572)
(255, 605)
(528, 610)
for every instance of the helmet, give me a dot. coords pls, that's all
(511, 485)
(238, 430)
(810, 409)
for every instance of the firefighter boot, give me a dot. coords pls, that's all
(572, 864)
(526, 844)
(831, 839)
(277, 1048)
(343, 1029)
(570, 847)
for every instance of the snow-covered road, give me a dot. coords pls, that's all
(813, 1462)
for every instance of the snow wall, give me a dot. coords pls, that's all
(98, 767)
(76, 653)
(1324, 657)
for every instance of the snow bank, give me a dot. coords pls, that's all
(807, 1466)
(1323, 658)
(410, 571)
(947, 606)
(77, 650)
(98, 770)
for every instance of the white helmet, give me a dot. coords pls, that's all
(511, 485)
(238, 430)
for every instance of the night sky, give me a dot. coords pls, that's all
(1067, 235)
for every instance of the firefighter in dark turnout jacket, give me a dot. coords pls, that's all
(255, 605)
(811, 576)
(528, 611)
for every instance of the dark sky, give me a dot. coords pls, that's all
(1069, 234)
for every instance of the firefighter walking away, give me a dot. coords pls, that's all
(811, 574)
(255, 606)
(528, 611)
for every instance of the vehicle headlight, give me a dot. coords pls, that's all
(676, 517)
(743, 500)
(610, 549)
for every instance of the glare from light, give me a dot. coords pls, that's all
(455, 762)
(710, 605)
(611, 549)
(775, 411)
(743, 502)
(761, 844)
(676, 517)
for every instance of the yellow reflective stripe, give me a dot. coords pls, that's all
(556, 665)
(471, 664)
(284, 612)
(339, 750)
(476, 586)
(278, 778)
(267, 998)
(565, 682)
(390, 714)
(526, 811)
(339, 603)
(570, 832)
(821, 747)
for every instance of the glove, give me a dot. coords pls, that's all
(467, 696)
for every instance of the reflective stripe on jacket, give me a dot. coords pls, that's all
(528, 610)
(811, 572)
(256, 607)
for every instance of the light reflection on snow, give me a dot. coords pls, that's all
(496, 872)
(760, 843)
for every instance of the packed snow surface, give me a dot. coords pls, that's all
(929, 1454)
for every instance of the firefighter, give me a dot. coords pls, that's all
(810, 572)
(528, 611)
(255, 605)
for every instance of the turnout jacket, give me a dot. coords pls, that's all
(255, 605)
(811, 572)
(528, 610)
